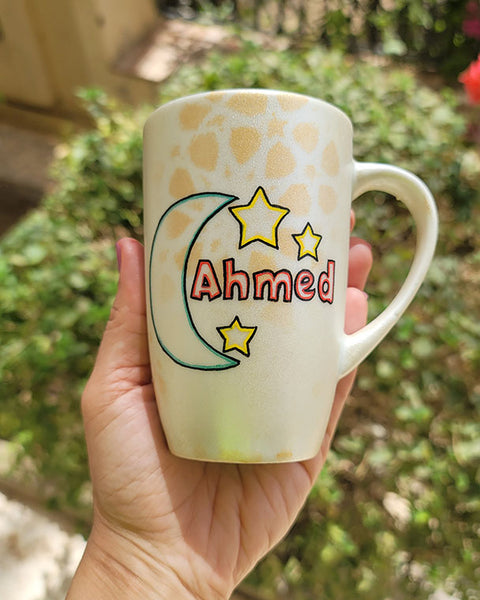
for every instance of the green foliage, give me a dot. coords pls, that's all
(426, 31)
(56, 284)
(395, 512)
(100, 175)
(57, 280)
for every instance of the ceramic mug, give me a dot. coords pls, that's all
(247, 199)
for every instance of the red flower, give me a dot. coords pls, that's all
(471, 80)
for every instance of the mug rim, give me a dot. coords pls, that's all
(249, 91)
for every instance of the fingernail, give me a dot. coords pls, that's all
(119, 255)
(365, 294)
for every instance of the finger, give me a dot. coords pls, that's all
(355, 318)
(352, 220)
(356, 310)
(122, 360)
(131, 285)
(359, 262)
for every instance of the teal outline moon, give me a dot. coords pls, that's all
(224, 362)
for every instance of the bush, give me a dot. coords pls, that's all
(425, 31)
(57, 280)
(396, 510)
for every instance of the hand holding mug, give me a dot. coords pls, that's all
(165, 527)
(245, 341)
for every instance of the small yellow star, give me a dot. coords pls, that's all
(259, 220)
(307, 242)
(236, 336)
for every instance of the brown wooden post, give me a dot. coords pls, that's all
(49, 49)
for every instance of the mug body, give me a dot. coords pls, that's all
(247, 197)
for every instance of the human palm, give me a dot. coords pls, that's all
(201, 525)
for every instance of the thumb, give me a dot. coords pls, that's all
(122, 362)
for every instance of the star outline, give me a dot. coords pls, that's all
(302, 251)
(236, 324)
(259, 193)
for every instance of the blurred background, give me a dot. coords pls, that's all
(395, 513)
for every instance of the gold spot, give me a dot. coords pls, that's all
(163, 256)
(297, 199)
(158, 172)
(310, 172)
(306, 135)
(204, 151)
(287, 244)
(228, 172)
(330, 163)
(275, 127)
(196, 253)
(215, 245)
(181, 184)
(259, 262)
(244, 142)
(291, 101)
(217, 121)
(284, 455)
(275, 312)
(215, 96)
(179, 258)
(196, 205)
(280, 161)
(159, 382)
(175, 152)
(234, 456)
(251, 175)
(248, 104)
(327, 198)
(151, 339)
(166, 288)
(192, 115)
(177, 224)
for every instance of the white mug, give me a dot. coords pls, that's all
(247, 199)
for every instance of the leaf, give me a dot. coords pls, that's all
(422, 347)
(393, 46)
(31, 255)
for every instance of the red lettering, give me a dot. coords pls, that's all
(205, 282)
(326, 282)
(267, 284)
(274, 281)
(234, 278)
(303, 285)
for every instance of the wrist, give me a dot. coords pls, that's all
(117, 567)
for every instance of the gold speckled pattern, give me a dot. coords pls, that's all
(248, 190)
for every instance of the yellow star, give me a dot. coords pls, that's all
(259, 220)
(307, 242)
(237, 337)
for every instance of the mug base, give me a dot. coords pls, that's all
(244, 458)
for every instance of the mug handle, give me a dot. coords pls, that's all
(417, 198)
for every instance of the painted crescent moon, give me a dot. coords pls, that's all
(178, 228)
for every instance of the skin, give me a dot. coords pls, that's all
(165, 527)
